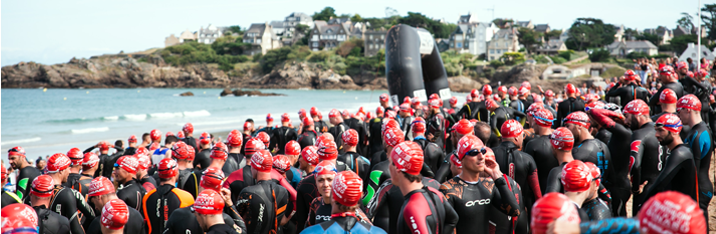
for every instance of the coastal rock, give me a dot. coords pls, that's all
(225, 92)
(240, 93)
(186, 94)
(463, 84)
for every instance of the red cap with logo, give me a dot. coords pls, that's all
(19, 218)
(474, 93)
(637, 107)
(188, 128)
(579, 118)
(405, 107)
(629, 75)
(325, 168)
(526, 84)
(253, 145)
(100, 186)
(435, 103)
(490, 104)
(128, 163)
(17, 150)
(307, 121)
(549, 93)
(681, 65)
(455, 161)
(570, 89)
(89, 161)
(103, 145)
(533, 107)
(115, 214)
(595, 171)
(205, 138)
(181, 150)
(562, 139)
(666, 70)
(310, 154)
(212, 178)
(576, 176)
(486, 89)
(379, 110)
(58, 162)
(511, 128)
(132, 139)
(262, 161)
(393, 136)
(154, 146)
(327, 150)
(292, 148)
(453, 101)
(552, 206)
(209, 202)
(281, 163)
(43, 186)
(542, 117)
(383, 97)
(167, 168)
(467, 143)
(350, 137)
(169, 134)
(523, 91)
(502, 89)
(667, 96)
(264, 137)
(334, 113)
(180, 135)
(269, 118)
(347, 188)
(408, 157)
(75, 155)
(219, 151)
(248, 126)
(689, 101)
(389, 123)
(670, 122)
(286, 118)
(418, 125)
(155, 134)
(671, 212)
(144, 162)
(463, 127)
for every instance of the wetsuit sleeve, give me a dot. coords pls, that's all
(69, 208)
(291, 194)
(451, 218)
(22, 187)
(191, 185)
(635, 156)
(533, 177)
(508, 204)
(614, 225)
(443, 171)
(494, 127)
(234, 214)
(89, 149)
(273, 143)
(378, 203)
(614, 92)
(246, 208)
(373, 184)
(654, 100)
(554, 184)
(674, 163)
(464, 112)
(302, 202)
(521, 115)
(700, 146)
(83, 206)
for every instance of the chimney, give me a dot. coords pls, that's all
(691, 45)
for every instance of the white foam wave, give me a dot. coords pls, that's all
(196, 113)
(111, 118)
(21, 141)
(165, 115)
(209, 123)
(88, 130)
(135, 117)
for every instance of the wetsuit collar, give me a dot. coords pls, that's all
(420, 190)
(643, 125)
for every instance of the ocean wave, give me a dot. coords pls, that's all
(134, 117)
(165, 115)
(89, 130)
(209, 123)
(110, 118)
(73, 120)
(196, 113)
(21, 141)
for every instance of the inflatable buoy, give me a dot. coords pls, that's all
(413, 65)
(44, 90)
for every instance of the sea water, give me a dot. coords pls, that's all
(51, 121)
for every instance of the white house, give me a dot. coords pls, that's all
(692, 52)
(624, 48)
(472, 36)
(209, 34)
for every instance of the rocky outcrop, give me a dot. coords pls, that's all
(463, 84)
(186, 94)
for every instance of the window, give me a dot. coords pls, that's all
(370, 37)
(314, 38)
(258, 41)
(315, 44)
(492, 52)
(370, 46)
(459, 45)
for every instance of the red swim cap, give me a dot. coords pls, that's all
(167, 168)
(579, 118)
(542, 117)
(670, 122)
(292, 148)
(511, 128)
(310, 154)
(58, 162)
(89, 161)
(100, 186)
(19, 218)
(671, 212)
(551, 207)
(408, 157)
(212, 178)
(393, 137)
(209, 202)
(467, 143)
(281, 163)
(264, 137)
(156, 135)
(205, 138)
(463, 127)
(688, 101)
(418, 125)
(188, 128)
(637, 107)
(181, 150)
(128, 163)
(219, 151)
(347, 188)
(350, 137)
(562, 139)
(253, 145)
(262, 161)
(43, 186)
(75, 155)
(576, 176)
(667, 96)
(115, 214)
(327, 150)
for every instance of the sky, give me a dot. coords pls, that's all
(51, 32)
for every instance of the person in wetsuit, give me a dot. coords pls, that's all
(460, 129)
(521, 166)
(425, 209)
(321, 206)
(209, 208)
(264, 206)
(500, 115)
(568, 105)
(679, 172)
(188, 130)
(101, 192)
(475, 109)
(539, 147)
(346, 191)
(628, 91)
(202, 158)
(66, 201)
(669, 80)
(334, 116)
(26, 173)
(700, 142)
(106, 161)
(667, 102)
(73, 180)
(379, 170)
(576, 180)
(218, 158)
(235, 159)
(130, 190)
(436, 124)
(7, 197)
(375, 139)
(646, 155)
(320, 125)
(619, 186)
(595, 207)
(143, 178)
(385, 206)
(587, 148)
(169, 197)
(40, 198)
(283, 134)
(308, 134)
(433, 152)
(354, 161)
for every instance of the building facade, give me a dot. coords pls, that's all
(261, 38)
(328, 36)
(505, 40)
(373, 41)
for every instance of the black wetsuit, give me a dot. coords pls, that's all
(378, 156)
(596, 209)
(234, 161)
(132, 193)
(129, 151)
(504, 224)
(501, 115)
(436, 125)
(474, 110)
(158, 204)
(654, 100)
(183, 221)
(51, 222)
(701, 143)
(221, 228)
(321, 212)
(307, 138)
(148, 182)
(647, 158)
(565, 108)
(337, 131)
(263, 206)
(9, 198)
(473, 200)
(320, 126)
(597, 152)
(554, 184)
(541, 151)
(518, 105)
(432, 153)
(619, 186)
(362, 130)
(375, 139)
(69, 203)
(202, 159)
(384, 208)
(522, 168)
(343, 224)
(678, 174)
(628, 92)
(79, 182)
(426, 210)
(134, 225)
(192, 183)
(357, 163)
(444, 173)
(280, 137)
(378, 175)
(603, 135)
(25, 176)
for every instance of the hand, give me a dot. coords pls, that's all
(429, 136)
(226, 194)
(492, 168)
(641, 188)
(561, 226)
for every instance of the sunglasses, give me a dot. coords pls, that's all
(475, 152)
(676, 125)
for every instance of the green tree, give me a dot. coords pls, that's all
(503, 23)
(708, 16)
(686, 21)
(590, 33)
(529, 38)
(235, 29)
(325, 14)
(679, 44)
(553, 34)
(512, 58)
(439, 30)
(653, 38)
(356, 18)
(599, 55)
